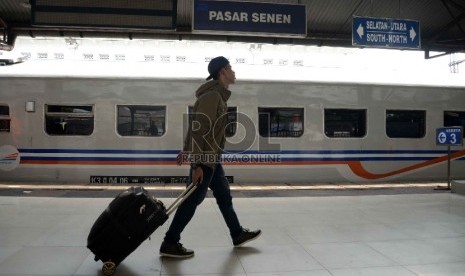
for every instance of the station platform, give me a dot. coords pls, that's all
(317, 231)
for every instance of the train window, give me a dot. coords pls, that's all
(64, 120)
(345, 123)
(405, 123)
(4, 110)
(454, 118)
(141, 120)
(5, 121)
(232, 120)
(280, 122)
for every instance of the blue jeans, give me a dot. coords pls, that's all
(216, 180)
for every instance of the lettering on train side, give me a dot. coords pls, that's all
(105, 179)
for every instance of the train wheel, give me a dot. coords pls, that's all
(108, 268)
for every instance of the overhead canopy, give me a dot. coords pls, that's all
(328, 22)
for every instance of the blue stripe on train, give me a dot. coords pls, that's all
(115, 151)
(433, 153)
(48, 158)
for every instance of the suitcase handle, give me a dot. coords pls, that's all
(187, 192)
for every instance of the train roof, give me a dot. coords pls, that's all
(244, 73)
(178, 60)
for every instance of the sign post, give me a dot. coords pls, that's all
(449, 136)
(385, 33)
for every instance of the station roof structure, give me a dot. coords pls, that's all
(329, 22)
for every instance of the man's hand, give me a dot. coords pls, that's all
(197, 175)
(182, 155)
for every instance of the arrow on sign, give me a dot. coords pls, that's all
(360, 30)
(413, 34)
(442, 137)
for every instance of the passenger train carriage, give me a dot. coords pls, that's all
(129, 130)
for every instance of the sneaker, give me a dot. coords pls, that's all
(175, 250)
(246, 236)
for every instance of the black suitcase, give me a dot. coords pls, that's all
(128, 221)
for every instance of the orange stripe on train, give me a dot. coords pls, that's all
(358, 169)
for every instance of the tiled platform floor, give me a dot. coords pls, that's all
(401, 234)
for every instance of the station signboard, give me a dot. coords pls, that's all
(385, 33)
(449, 136)
(249, 18)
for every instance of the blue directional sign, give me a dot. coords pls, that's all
(449, 136)
(385, 33)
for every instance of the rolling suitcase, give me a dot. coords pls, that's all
(128, 221)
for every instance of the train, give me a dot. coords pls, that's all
(103, 130)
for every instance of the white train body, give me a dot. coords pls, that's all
(30, 154)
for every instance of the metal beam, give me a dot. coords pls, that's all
(456, 20)
(428, 56)
(8, 41)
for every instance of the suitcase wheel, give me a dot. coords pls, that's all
(108, 268)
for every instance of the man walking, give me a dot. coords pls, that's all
(204, 147)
